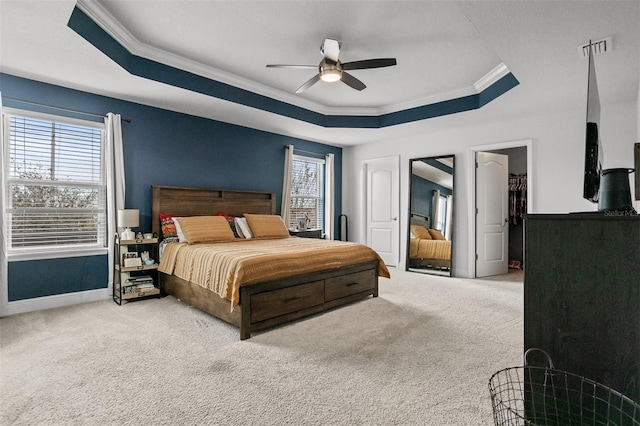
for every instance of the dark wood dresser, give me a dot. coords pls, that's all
(582, 295)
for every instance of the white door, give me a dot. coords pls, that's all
(492, 214)
(383, 229)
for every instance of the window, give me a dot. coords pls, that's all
(55, 197)
(307, 192)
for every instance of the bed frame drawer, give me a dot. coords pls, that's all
(280, 302)
(346, 285)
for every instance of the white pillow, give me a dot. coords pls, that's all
(243, 228)
(238, 230)
(181, 236)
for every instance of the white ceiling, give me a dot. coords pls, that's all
(444, 50)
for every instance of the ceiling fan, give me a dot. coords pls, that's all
(331, 69)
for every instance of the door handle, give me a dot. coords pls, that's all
(394, 218)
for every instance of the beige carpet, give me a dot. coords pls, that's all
(420, 354)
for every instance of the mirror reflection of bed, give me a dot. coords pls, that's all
(429, 243)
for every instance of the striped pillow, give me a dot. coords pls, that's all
(436, 235)
(267, 226)
(206, 229)
(420, 232)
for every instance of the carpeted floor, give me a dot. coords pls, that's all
(420, 354)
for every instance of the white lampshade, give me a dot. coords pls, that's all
(128, 218)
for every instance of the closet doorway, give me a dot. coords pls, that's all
(519, 200)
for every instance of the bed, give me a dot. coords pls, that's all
(275, 300)
(428, 248)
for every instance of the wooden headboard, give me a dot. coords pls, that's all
(184, 201)
(419, 219)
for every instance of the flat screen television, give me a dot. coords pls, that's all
(593, 149)
(592, 163)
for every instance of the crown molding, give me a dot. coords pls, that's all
(155, 64)
(491, 77)
(480, 85)
(122, 35)
(441, 97)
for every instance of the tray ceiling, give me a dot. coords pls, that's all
(445, 50)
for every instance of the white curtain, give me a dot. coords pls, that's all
(435, 209)
(285, 208)
(4, 279)
(328, 196)
(115, 180)
(449, 222)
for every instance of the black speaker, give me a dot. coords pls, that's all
(615, 194)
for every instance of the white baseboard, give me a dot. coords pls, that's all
(57, 301)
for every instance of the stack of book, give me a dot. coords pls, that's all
(138, 284)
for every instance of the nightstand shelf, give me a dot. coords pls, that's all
(136, 268)
(138, 293)
(134, 281)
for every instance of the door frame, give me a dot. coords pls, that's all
(527, 143)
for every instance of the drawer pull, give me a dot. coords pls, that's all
(292, 299)
(352, 284)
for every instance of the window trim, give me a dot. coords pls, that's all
(58, 254)
(51, 252)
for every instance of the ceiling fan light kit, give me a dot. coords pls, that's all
(331, 69)
(330, 72)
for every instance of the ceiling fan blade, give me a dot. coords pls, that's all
(331, 49)
(369, 63)
(313, 80)
(351, 81)
(302, 67)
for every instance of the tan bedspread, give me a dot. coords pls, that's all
(421, 248)
(224, 267)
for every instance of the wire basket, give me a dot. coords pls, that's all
(537, 396)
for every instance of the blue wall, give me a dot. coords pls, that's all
(28, 279)
(160, 148)
(422, 195)
(422, 189)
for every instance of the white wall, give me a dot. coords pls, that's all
(558, 164)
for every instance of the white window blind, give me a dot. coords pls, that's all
(307, 192)
(56, 188)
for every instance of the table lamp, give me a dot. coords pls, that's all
(127, 219)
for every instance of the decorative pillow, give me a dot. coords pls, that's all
(243, 228)
(436, 235)
(169, 231)
(420, 232)
(232, 223)
(206, 229)
(267, 226)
